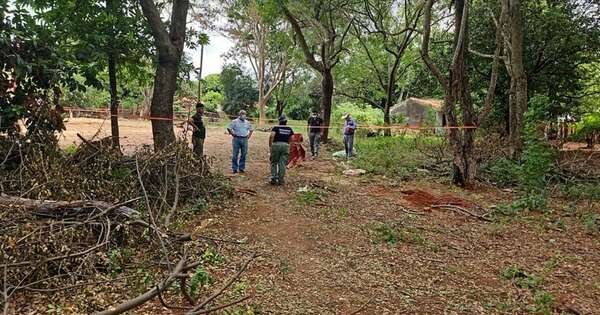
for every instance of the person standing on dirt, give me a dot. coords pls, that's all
(199, 133)
(314, 133)
(279, 147)
(240, 130)
(348, 131)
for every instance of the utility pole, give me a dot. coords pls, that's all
(202, 40)
(199, 71)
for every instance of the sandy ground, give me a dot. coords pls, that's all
(322, 253)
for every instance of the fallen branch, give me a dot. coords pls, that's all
(50, 206)
(25, 263)
(462, 210)
(198, 309)
(246, 191)
(141, 299)
(220, 307)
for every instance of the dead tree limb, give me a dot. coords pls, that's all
(199, 308)
(51, 206)
(462, 210)
(141, 299)
(220, 307)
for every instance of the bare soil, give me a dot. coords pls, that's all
(321, 252)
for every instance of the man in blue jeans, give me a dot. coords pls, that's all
(240, 130)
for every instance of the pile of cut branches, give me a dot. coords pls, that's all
(54, 245)
(94, 171)
(63, 213)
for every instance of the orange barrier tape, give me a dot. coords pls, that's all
(331, 126)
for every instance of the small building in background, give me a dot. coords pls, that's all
(420, 112)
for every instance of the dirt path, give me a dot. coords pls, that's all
(373, 245)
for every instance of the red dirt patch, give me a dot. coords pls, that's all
(422, 198)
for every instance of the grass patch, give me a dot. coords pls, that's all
(502, 172)
(396, 156)
(386, 233)
(200, 279)
(212, 257)
(521, 278)
(544, 302)
(306, 198)
(590, 223)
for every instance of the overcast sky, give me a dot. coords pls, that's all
(213, 61)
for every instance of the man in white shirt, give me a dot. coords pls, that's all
(240, 130)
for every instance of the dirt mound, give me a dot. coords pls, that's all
(422, 198)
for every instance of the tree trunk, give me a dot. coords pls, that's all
(114, 101)
(161, 108)
(170, 49)
(518, 79)
(462, 140)
(326, 101)
(112, 81)
(387, 120)
(262, 104)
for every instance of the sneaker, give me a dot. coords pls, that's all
(273, 182)
(242, 171)
(234, 172)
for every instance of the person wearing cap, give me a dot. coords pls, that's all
(199, 133)
(348, 131)
(240, 130)
(314, 133)
(280, 148)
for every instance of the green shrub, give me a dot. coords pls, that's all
(503, 172)
(120, 173)
(587, 128)
(583, 191)
(361, 113)
(199, 279)
(390, 156)
(521, 278)
(306, 197)
(389, 234)
(544, 302)
(534, 173)
(211, 256)
(70, 149)
(385, 233)
(590, 222)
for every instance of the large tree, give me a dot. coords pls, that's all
(321, 30)
(384, 31)
(458, 105)
(558, 38)
(99, 35)
(169, 45)
(262, 39)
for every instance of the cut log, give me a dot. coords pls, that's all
(51, 207)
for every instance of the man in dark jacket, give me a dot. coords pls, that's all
(199, 133)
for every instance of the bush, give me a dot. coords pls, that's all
(584, 191)
(503, 172)
(390, 156)
(361, 113)
(587, 129)
(531, 176)
(212, 101)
